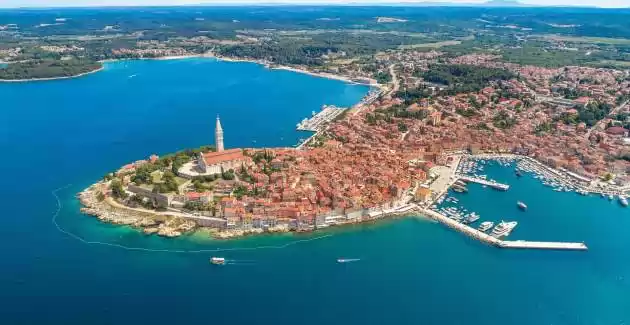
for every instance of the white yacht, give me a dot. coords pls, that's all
(504, 228)
(217, 261)
(623, 201)
(472, 218)
(486, 225)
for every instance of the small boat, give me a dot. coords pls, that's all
(504, 228)
(347, 260)
(486, 225)
(623, 201)
(518, 173)
(521, 205)
(217, 261)
(459, 189)
(610, 197)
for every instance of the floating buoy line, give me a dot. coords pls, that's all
(154, 250)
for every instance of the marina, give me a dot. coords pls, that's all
(560, 180)
(449, 209)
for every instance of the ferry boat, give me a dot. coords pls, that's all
(623, 201)
(485, 226)
(504, 228)
(217, 261)
(521, 205)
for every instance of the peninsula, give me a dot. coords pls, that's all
(393, 153)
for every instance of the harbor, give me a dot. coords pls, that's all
(449, 203)
(560, 179)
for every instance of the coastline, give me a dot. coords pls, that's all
(54, 78)
(268, 65)
(171, 224)
(174, 224)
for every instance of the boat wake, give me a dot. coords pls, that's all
(240, 262)
(348, 260)
(155, 250)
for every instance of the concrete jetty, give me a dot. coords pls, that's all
(543, 245)
(493, 184)
(319, 120)
(485, 238)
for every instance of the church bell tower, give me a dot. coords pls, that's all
(218, 135)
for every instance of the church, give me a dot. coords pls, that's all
(221, 160)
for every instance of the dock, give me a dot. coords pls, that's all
(543, 245)
(319, 120)
(493, 184)
(485, 238)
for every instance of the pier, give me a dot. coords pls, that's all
(485, 238)
(542, 245)
(319, 120)
(493, 184)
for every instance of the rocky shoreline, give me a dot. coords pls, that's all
(165, 225)
(162, 225)
(109, 211)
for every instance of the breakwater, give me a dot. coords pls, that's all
(485, 238)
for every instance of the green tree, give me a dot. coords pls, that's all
(117, 189)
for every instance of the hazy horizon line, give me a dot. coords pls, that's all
(437, 3)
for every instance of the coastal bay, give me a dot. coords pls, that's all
(74, 131)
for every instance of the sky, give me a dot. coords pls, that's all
(86, 3)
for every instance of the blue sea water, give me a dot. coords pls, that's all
(412, 271)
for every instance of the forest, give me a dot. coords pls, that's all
(464, 78)
(39, 69)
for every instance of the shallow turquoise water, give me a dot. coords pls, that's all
(412, 271)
